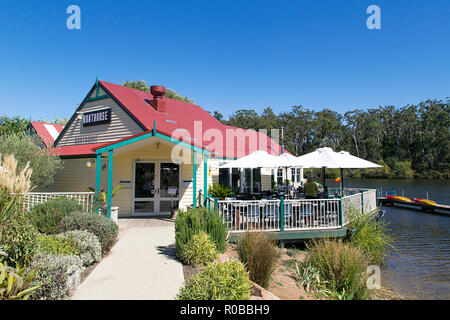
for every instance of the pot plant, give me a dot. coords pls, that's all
(102, 200)
(219, 191)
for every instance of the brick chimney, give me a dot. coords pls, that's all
(158, 93)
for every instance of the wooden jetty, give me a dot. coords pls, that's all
(438, 208)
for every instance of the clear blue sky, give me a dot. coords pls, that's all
(225, 55)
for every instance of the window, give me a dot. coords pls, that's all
(224, 177)
(236, 180)
(256, 179)
(299, 174)
(293, 175)
(280, 176)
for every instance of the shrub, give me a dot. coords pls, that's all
(19, 240)
(371, 236)
(59, 275)
(90, 249)
(219, 191)
(12, 185)
(106, 230)
(47, 216)
(57, 245)
(259, 254)
(341, 266)
(307, 276)
(16, 283)
(200, 250)
(192, 221)
(219, 281)
(25, 149)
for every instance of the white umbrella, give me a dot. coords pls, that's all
(327, 158)
(287, 160)
(257, 159)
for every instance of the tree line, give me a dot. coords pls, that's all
(409, 142)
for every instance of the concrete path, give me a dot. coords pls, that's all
(142, 265)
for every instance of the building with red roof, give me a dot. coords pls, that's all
(47, 132)
(163, 151)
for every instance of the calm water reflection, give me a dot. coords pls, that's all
(419, 265)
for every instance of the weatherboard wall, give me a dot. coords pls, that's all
(121, 126)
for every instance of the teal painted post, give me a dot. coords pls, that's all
(194, 176)
(205, 177)
(98, 174)
(282, 214)
(362, 202)
(110, 171)
(209, 202)
(200, 196)
(216, 204)
(340, 212)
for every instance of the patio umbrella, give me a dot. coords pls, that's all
(327, 158)
(287, 160)
(256, 159)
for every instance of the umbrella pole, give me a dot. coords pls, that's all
(323, 178)
(342, 181)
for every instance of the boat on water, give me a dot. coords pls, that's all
(398, 198)
(425, 201)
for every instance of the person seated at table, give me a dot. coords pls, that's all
(310, 189)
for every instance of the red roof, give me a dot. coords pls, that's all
(48, 132)
(178, 121)
(80, 150)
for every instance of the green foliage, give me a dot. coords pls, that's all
(18, 238)
(16, 283)
(47, 216)
(143, 86)
(13, 125)
(307, 276)
(103, 195)
(259, 254)
(219, 191)
(25, 149)
(200, 250)
(342, 268)
(105, 229)
(219, 281)
(10, 207)
(90, 248)
(57, 245)
(58, 274)
(174, 95)
(370, 236)
(190, 222)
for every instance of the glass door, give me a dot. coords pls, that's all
(145, 185)
(169, 187)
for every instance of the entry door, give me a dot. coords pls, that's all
(145, 187)
(169, 186)
(156, 187)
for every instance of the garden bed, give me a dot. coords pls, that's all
(282, 283)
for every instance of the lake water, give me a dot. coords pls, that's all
(419, 264)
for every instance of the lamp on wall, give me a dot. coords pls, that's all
(89, 163)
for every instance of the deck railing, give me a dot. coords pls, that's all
(85, 199)
(292, 215)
